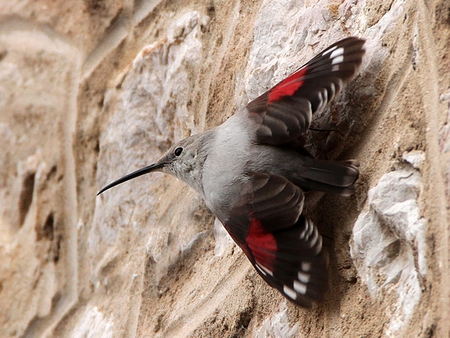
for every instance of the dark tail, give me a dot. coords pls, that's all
(327, 176)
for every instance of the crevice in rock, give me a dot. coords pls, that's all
(26, 197)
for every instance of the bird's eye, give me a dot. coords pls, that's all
(178, 151)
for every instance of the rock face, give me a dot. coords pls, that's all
(91, 90)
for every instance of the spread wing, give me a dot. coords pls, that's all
(284, 246)
(284, 112)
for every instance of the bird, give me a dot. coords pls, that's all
(253, 171)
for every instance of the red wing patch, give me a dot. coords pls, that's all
(283, 114)
(288, 86)
(284, 246)
(262, 244)
(290, 260)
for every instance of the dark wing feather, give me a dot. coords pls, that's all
(284, 112)
(282, 244)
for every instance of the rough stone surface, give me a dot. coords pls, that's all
(278, 325)
(93, 89)
(388, 244)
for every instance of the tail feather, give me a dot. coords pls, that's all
(327, 176)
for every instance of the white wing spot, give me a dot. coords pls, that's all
(289, 292)
(299, 287)
(335, 68)
(338, 59)
(306, 266)
(337, 52)
(328, 51)
(303, 277)
(260, 269)
(264, 270)
(313, 238)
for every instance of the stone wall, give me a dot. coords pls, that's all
(93, 89)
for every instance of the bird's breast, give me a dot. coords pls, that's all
(224, 168)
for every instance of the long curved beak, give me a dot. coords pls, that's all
(132, 175)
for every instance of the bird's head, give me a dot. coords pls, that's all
(184, 159)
